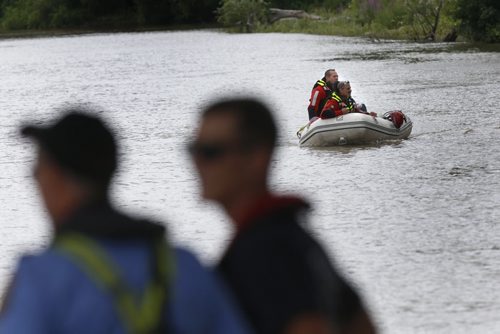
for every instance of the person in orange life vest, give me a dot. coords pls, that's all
(321, 92)
(341, 102)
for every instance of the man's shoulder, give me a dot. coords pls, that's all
(54, 257)
(278, 228)
(47, 275)
(44, 261)
(199, 294)
(187, 261)
(321, 89)
(272, 238)
(191, 274)
(48, 272)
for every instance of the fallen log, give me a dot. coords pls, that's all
(276, 14)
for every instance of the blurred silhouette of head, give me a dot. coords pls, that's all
(77, 158)
(233, 148)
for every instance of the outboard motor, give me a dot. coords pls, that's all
(396, 117)
(362, 107)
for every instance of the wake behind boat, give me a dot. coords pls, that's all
(354, 129)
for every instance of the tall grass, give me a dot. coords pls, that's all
(388, 23)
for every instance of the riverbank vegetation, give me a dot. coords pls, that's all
(429, 20)
(420, 20)
(32, 15)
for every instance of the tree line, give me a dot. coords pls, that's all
(56, 14)
(477, 20)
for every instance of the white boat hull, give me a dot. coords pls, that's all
(351, 129)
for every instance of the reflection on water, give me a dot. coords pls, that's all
(414, 223)
(411, 52)
(407, 59)
(348, 149)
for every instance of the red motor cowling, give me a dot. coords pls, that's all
(396, 117)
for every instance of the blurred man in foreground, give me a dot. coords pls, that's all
(104, 272)
(277, 271)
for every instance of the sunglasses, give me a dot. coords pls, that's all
(212, 151)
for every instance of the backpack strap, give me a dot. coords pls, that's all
(139, 315)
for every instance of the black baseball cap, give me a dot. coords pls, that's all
(79, 142)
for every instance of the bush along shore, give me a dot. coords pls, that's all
(417, 20)
(53, 17)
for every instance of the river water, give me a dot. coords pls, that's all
(414, 224)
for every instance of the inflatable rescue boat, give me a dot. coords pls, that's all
(355, 129)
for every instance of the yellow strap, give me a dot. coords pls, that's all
(321, 83)
(141, 316)
(336, 97)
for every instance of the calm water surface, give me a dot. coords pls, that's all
(414, 224)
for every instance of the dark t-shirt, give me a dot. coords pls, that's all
(277, 271)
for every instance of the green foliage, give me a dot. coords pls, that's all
(245, 14)
(480, 19)
(423, 17)
(391, 14)
(344, 27)
(153, 11)
(157, 12)
(413, 19)
(364, 11)
(49, 14)
(40, 14)
(309, 5)
(393, 19)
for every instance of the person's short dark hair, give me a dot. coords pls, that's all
(80, 143)
(255, 120)
(327, 72)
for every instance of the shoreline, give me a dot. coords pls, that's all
(47, 33)
(32, 34)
